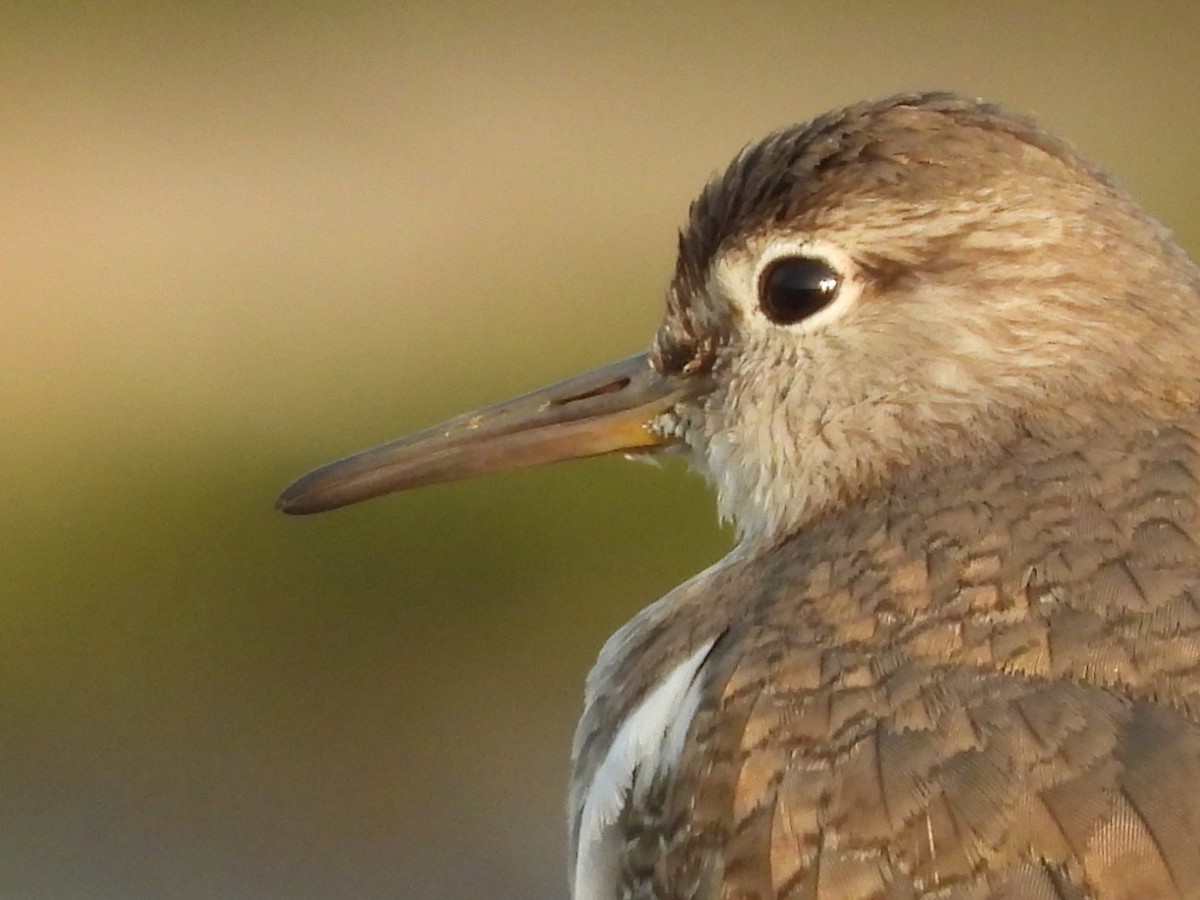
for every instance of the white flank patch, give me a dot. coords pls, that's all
(648, 742)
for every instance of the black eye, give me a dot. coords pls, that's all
(794, 287)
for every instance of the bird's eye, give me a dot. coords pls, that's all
(794, 287)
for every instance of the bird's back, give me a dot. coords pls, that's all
(981, 682)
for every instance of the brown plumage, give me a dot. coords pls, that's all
(979, 680)
(956, 652)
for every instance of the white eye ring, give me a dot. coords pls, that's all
(794, 288)
(842, 293)
(739, 277)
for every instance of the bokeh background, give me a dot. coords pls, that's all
(238, 240)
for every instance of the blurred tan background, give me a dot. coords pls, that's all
(240, 240)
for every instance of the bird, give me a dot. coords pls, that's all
(942, 373)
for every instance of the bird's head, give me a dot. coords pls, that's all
(893, 286)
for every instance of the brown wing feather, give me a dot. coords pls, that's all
(984, 684)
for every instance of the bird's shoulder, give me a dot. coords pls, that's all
(982, 679)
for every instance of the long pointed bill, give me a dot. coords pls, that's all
(603, 411)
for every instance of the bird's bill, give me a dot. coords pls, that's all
(607, 410)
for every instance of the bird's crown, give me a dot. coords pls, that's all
(908, 281)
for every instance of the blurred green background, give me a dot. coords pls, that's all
(240, 240)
